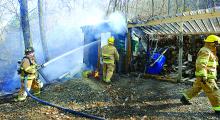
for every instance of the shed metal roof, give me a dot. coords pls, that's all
(205, 21)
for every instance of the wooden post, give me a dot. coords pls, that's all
(42, 31)
(128, 58)
(25, 23)
(180, 58)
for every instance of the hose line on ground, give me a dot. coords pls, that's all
(59, 107)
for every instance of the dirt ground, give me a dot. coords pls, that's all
(126, 98)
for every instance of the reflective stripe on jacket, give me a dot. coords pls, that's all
(109, 54)
(206, 64)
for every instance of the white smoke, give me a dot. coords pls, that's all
(63, 21)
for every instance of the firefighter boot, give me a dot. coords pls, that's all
(217, 112)
(185, 101)
(20, 98)
(37, 94)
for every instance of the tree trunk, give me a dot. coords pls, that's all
(169, 7)
(115, 6)
(42, 31)
(152, 8)
(25, 23)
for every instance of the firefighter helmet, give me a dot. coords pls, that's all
(212, 38)
(29, 50)
(111, 40)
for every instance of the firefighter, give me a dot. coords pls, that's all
(28, 68)
(206, 64)
(109, 57)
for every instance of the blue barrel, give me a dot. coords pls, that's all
(158, 66)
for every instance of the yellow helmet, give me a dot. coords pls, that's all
(111, 40)
(212, 38)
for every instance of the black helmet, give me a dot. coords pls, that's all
(29, 50)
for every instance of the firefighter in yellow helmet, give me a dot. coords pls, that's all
(109, 57)
(28, 69)
(206, 74)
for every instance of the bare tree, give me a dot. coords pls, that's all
(152, 8)
(108, 9)
(115, 5)
(25, 23)
(42, 30)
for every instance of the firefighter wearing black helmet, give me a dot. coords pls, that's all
(28, 69)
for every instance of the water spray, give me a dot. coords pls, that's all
(67, 53)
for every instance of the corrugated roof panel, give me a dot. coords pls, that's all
(201, 25)
(162, 30)
(206, 25)
(164, 26)
(195, 22)
(175, 27)
(211, 25)
(152, 29)
(194, 26)
(217, 24)
(145, 30)
(148, 29)
(170, 28)
(188, 27)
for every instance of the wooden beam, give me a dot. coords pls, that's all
(194, 33)
(212, 14)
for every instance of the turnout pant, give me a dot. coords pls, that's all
(108, 69)
(209, 87)
(31, 84)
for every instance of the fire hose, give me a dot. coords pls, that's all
(59, 107)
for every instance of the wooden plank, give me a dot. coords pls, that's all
(160, 77)
(212, 14)
(194, 33)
